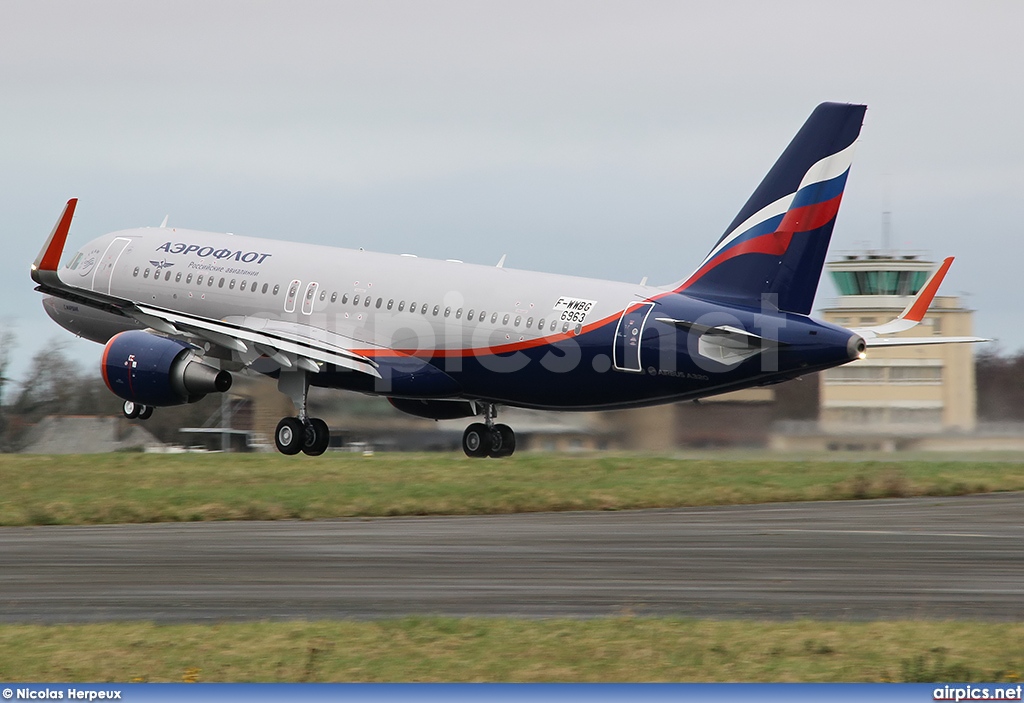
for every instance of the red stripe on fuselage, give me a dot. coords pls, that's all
(504, 348)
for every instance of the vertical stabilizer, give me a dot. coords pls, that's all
(777, 244)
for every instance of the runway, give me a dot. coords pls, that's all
(943, 558)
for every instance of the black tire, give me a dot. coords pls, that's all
(131, 409)
(503, 441)
(315, 437)
(146, 412)
(476, 440)
(289, 435)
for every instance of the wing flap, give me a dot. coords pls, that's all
(235, 334)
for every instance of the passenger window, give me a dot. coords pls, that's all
(242, 287)
(177, 278)
(277, 287)
(494, 317)
(366, 301)
(554, 324)
(167, 276)
(264, 289)
(188, 278)
(355, 300)
(447, 311)
(518, 320)
(458, 314)
(529, 322)
(565, 327)
(323, 295)
(423, 309)
(437, 308)
(199, 281)
(482, 316)
(221, 284)
(504, 320)
(391, 303)
(469, 315)
(540, 325)
(136, 272)
(401, 306)
(232, 284)
(145, 274)
(344, 299)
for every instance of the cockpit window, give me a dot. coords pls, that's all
(76, 261)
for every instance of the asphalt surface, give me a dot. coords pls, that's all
(942, 558)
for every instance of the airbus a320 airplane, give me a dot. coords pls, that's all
(179, 311)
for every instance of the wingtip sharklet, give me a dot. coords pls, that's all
(919, 306)
(49, 255)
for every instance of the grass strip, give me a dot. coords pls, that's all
(623, 649)
(134, 488)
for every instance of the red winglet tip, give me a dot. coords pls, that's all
(927, 294)
(51, 258)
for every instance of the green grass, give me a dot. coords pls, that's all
(132, 488)
(442, 649)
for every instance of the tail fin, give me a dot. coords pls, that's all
(777, 244)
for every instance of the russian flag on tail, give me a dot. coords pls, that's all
(776, 245)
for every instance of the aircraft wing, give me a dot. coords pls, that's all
(292, 345)
(878, 336)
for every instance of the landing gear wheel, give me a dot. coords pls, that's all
(289, 435)
(477, 440)
(146, 412)
(131, 409)
(315, 437)
(503, 441)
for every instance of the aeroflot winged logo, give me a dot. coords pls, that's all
(248, 257)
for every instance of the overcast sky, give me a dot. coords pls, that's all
(606, 139)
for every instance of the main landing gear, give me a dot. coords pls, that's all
(309, 435)
(488, 439)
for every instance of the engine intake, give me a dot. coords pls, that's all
(156, 371)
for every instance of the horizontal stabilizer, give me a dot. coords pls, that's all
(914, 341)
(911, 316)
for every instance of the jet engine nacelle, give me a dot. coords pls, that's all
(156, 371)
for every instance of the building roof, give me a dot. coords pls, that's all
(86, 434)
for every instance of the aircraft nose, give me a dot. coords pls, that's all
(855, 346)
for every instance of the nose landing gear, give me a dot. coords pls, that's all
(488, 439)
(133, 411)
